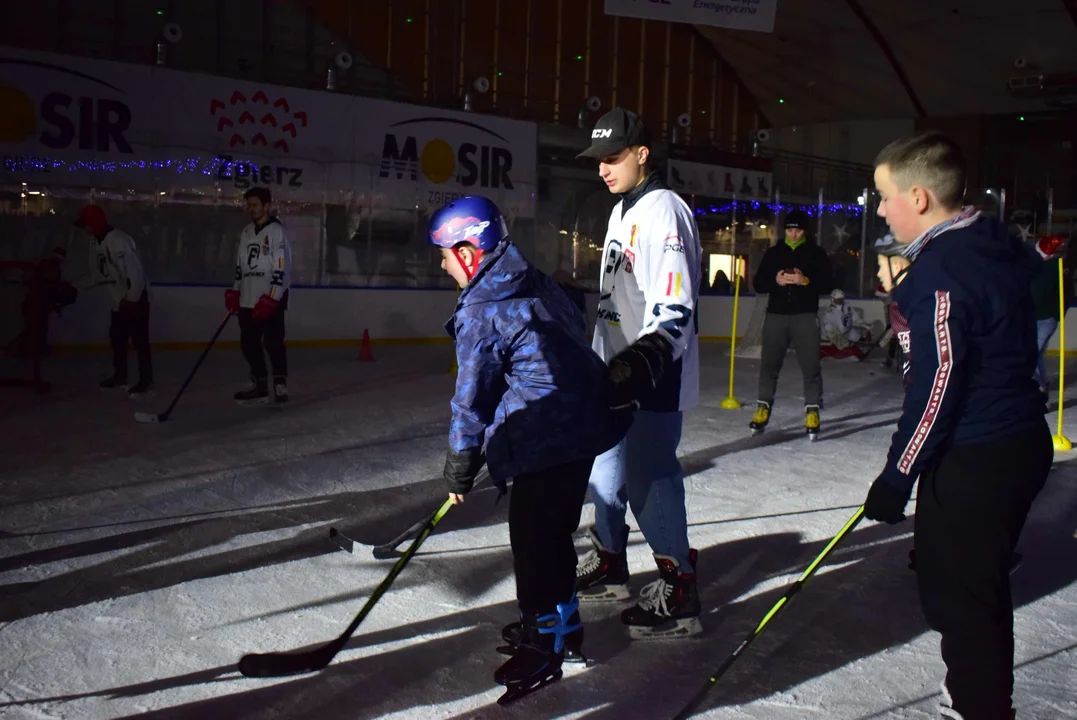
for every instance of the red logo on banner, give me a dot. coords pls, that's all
(242, 123)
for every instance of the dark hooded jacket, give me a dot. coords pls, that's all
(530, 388)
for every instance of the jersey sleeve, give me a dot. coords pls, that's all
(480, 381)
(281, 257)
(939, 337)
(131, 276)
(667, 277)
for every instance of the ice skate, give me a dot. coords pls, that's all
(602, 576)
(142, 388)
(946, 707)
(514, 635)
(280, 391)
(669, 607)
(116, 382)
(811, 421)
(256, 394)
(537, 660)
(761, 418)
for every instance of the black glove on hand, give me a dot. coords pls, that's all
(461, 469)
(635, 371)
(885, 503)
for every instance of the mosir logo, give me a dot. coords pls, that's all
(92, 117)
(416, 146)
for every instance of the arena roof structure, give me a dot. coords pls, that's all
(831, 60)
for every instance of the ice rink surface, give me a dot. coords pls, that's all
(138, 563)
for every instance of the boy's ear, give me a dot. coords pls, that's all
(922, 199)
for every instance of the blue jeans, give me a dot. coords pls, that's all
(643, 472)
(1044, 330)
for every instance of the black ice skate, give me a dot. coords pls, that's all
(256, 394)
(116, 382)
(280, 391)
(669, 607)
(142, 388)
(514, 635)
(811, 421)
(761, 418)
(537, 660)
(602, 576)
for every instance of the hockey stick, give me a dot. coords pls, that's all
(144, 417)
(688, 710)
(389, 549)
(264, 665)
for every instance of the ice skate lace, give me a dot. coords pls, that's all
(653, 597)
(590, 563)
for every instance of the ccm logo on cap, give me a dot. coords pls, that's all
(601, 133)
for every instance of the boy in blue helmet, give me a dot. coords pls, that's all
(531, 404)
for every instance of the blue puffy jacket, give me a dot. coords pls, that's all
(972, 344)
(529, 386)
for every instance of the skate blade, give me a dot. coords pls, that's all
(757, 431)
(813, 436)
(604, 593)
(136, 396)
(675, 629)
(575, 659)
(515, 691)
(252, 403)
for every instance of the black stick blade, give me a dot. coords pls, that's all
(267, 665)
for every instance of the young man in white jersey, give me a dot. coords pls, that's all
(116, 265)
(259, 295)
(646, 331)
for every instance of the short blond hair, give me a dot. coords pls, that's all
(930, 159)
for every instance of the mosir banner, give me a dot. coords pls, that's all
(74, 122)
(755, 15)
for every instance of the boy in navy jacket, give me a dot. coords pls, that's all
(972, 428)
(532, 403)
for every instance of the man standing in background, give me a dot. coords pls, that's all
(115, 263)
(794, 273)
(259, 295)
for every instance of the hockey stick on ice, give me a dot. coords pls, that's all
(688, 710)
(283, 664)
(144, 417)
(389, 549)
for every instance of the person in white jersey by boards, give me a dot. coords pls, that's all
(647, 333)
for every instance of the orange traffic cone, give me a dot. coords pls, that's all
(366, 353)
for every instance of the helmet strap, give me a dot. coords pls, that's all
(468, 270)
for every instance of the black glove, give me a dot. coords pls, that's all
(885, 503)
(461, 469)
(635, 371)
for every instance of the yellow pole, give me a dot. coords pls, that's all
(731, 402)
(1060, 440)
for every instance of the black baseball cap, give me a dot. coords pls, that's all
(614, 131)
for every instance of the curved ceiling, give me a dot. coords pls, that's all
(833, 60)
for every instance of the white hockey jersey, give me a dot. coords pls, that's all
(650, 284)
(263, 264)
(839, 326)
(115, 264)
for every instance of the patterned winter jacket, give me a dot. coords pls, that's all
(529, 386)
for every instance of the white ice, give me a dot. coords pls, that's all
(139, 562)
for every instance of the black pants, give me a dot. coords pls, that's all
(270, 332)
(970, 509)
(132, 324)
(544, 511)
(802, 332)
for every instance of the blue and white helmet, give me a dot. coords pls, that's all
(473, 219)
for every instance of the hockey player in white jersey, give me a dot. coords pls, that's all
(116, 265)
(646, 331)
(259, 295)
